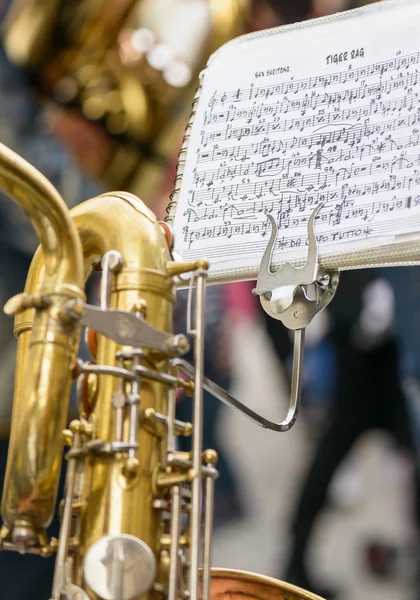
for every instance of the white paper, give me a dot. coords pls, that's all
(328, 112)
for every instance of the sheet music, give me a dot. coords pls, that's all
(325, 114)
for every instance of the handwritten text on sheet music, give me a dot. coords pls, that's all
(349, 139)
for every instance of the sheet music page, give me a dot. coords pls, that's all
(326, 113)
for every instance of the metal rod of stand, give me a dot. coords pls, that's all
(208, 534)
(197, 441)
(229, 400)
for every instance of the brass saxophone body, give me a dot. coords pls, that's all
(136, 518)
(122, 479)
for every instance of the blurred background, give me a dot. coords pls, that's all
(97, 97)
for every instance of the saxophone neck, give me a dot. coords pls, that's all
(51, 220)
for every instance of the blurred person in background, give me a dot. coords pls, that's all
(367, 396)
(405, 282)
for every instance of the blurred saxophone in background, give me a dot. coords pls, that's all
(129, 66)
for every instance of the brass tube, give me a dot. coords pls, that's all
(120, 222)
(50, 218)
(45, 355)
(123, 504)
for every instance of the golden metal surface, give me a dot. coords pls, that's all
(178, 268)
(96, 66)
(46, 355)
(229, 584)
(116, 503)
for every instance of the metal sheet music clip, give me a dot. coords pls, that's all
(294, 295)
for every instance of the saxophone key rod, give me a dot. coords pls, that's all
(60, 568)
(134, 403)
(169, 421)
(111, 264)
(174, 549)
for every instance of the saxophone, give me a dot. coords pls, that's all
(129, 67)
(136, 517)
